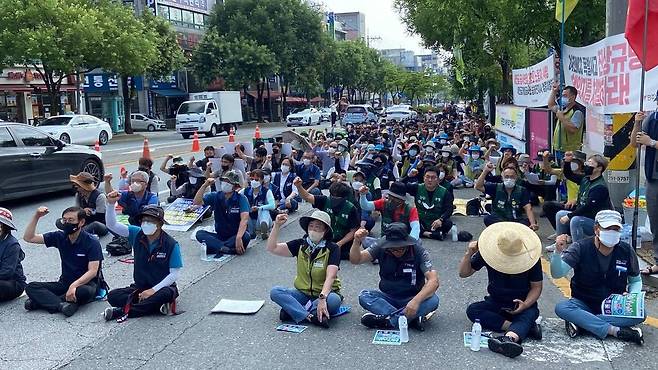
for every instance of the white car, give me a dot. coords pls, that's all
(142, 122)
(325, 114)
(400, 113)
(78, 129)
(305, 117)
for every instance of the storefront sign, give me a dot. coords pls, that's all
(169, 82)
(106, 82)
(152, 5)
(532, 85)
(200, 6)
(607, 75)
(20, 76)
(510, 119)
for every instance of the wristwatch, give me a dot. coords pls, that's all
(322, 296)
(652, 144)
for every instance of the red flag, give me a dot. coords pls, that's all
(635, 31)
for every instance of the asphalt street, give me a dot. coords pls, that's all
(197, 339)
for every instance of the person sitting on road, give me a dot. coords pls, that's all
(286, 195)
(358, 180)
(178, 169)
(434, 205)
(231, 211)
(195, 179)
(408, 282)
(445, 179)
(261, 202)
(344, 215)
(136, 198)
(208, 153)
(158, 261)
(511, 253)
(12, 279)
(258, 161)
(602, 265)
(92, 200)
(310, 175)
(545, 183)
(316, 295)
(551, 208)
(80, 254)
(227, 164)
(393, 209)
(509, 201)
(153, 184)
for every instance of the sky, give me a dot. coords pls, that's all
(382, 20)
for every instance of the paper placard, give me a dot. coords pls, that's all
(286, 149)
(248, 149)
(268, 146)
(387, 337)
(237, 306)
(178, 219)
(240, 164)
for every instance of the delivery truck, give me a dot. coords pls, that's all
(209, 113)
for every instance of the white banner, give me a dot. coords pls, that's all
(510, 120)
(532, 85)
(607, 75)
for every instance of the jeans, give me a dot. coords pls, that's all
(492, 317)
(119, 298)
(295, 303)
(10, 289)
(579, 227)
(49, 295)
(294, 204)
(316, 191)
(493, 218)
(381, 303)
(254, 223)
(577, 312)
(216, 245)
(550, 210)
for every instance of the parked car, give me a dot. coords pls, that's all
(78, 129)
(34, 162)
(305, 117)
(143, 122)
(355, 114)
(399, 113)
(325, 114)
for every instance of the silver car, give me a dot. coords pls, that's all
(143, 123)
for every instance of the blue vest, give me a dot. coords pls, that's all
(6, 245)
(287, 187)
(151, 266)
(260, 199)
(227, 215)
(650, 158)
(133, 206)
(402, 277)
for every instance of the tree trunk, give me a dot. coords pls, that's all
(269, 101)
(505, 70)
(259, 101)
(247, 115)
(284, 97)
(125, 90)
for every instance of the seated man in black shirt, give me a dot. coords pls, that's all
(511, 253)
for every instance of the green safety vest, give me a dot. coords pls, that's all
(508, 206)
(585, 185)
(564, 141)
(339, 222)
(387, 216)
(429, 210)
(311, 272)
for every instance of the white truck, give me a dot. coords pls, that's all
(209, 112)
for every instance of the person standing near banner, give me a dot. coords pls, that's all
(568, 132)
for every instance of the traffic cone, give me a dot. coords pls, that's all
(231, 136)
(146, 152)
(195, 142)
(97, 146)
(257, 133)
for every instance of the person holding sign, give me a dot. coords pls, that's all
(316, 282)
(261, 202)
(602, 265)
(568, 133)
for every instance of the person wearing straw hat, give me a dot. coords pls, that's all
(12, 279)
(602, 265)
(408, 280)
(511, 253)
(92, 200)
(316, 282)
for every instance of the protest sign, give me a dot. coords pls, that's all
(510, 120)
(532, 85)
(388, 337)
(630, 305)
(180, 216)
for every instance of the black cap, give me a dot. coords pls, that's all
(154, 211)
(398, 190)
(396, 235)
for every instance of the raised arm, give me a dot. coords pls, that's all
(198, 197)
(111, 217)
(273, 246)
(465, 268)
(358, 255)
(29, 235)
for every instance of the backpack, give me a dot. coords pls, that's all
(474, 207)
(119, 246)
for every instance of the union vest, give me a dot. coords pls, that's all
(227, 215)
(429, 210)
(339, 221)
(91, 203)
(585, 185)
(311, 272)
(287, 186)
(260, 199)
(508, 207)
(402, 277)
(152, 266)
(564, 141)
(387, 216)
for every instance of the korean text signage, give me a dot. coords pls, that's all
(607, 75)
(105, 82)
(200, 6)
(532, 85)
(510, 120)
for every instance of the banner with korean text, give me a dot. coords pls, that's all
(532, 85)
(510, 120)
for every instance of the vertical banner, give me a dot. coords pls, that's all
(532, 86)
(539, 129)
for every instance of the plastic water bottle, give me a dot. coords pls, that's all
(453, 232)
(204, 252)
(476, 332)
(404, 329)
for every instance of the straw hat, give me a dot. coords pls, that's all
(84, 180)
(509, 247)
(321, 216)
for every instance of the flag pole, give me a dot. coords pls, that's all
(639, 147)
(559, 125)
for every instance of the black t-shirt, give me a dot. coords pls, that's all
(505, 288)
(334, 250)
(75, 257)
(353, 219)
(573, 256)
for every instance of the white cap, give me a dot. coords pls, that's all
(607, 218)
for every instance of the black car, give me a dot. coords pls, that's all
(33, 162)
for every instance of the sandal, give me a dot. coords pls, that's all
(651, 270)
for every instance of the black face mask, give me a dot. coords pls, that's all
(337, 201)
(588, 170)
(68, 229)
(144, 169)
(275, 151)
(225, 168)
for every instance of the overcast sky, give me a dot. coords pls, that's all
(382, 20)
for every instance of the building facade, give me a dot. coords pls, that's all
(402, 58)
(354, 25)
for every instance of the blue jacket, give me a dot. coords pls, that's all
(11, 256)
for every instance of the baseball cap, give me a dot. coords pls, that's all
(231, 177)
(607, 218)
(153, 211)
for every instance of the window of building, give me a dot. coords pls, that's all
(188, 17)
(175, 15)
(199, 19)
(163, 11)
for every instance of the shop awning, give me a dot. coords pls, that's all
(170, 93)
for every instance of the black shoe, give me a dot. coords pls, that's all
(418, 324)
(630, 334)
(375, 262)
(284, 316)
(68, 309)
(315, 321)
(30, 305)
(376, 321)
(505, 346)
(535, 332)
(572, 329)
(112, 313)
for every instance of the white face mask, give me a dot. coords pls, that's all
(509, 183)
(315, 236)
(445, 155)
(475, 156)
(356, 185)
(331, 150)
(149, 228)
(442, 175)
(266, 178)
(135, 187)
(285, 168)
(413, 153)
(609, 238)
(429, 149)
(193, 180)
(306, 161)
(466, 138)
(226, 187)
(574, 166)
(255, 183)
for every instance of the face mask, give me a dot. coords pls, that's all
(307, 162)
(429, 149)
(413, 153)
(564, 101)
(445, 155)
(442, 175)
(135, 187)
(285, 168)
(225, 168)
(193, 180)
(342, 149)
(226, 187)
(574, 166)
(266, 178)
(609, 238)
(315, 236)
(143, 169)
(68, 229)
(331, 150)
(255, 183)
(589, 170)
(149, 228)
(509, 183)
(466, 138)
(356, 185)
(475, 156)
(275, 151)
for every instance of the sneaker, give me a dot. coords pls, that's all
(315, 321)
(505, 346)
(373, 321)
(112, 313)
(30, 305)
(263, 227)
(418, 324)
(265, 235)
(631, 334)
(68, 309)
(550, 248)
(552, 236)
(572, 329)
(284, 316)
(535, 331)
(165, 309)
